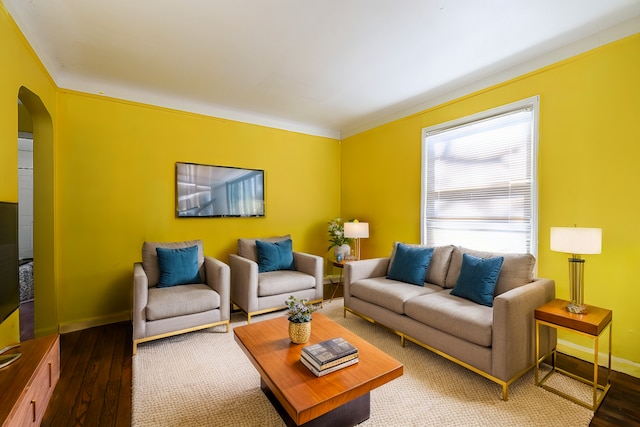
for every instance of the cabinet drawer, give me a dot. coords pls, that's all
(32, 404)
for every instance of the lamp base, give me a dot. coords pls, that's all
(572, 307)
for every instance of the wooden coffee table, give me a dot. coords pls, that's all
(340, 398)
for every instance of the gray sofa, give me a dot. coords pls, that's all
(496, 342)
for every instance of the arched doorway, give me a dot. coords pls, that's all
(45, 306)
(25, 222)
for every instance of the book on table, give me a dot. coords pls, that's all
(328, 370)
(329, 356)
(327, 365)
(329, 351)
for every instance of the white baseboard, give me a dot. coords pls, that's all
(96, 321)
(585, 353)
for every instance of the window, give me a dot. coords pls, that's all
(479, 180)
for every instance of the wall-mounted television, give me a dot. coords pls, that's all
(208, 191)
(9, 287)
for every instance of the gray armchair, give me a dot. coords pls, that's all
(160, 312)
(258, 293)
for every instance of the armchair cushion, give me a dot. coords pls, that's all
(274, 256)
(284, 282)
(178, 301)
(150, 257)
(247, 247)
(178, 266)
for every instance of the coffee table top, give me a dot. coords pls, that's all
(303, 395)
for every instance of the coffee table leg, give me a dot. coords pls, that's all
(347, 415)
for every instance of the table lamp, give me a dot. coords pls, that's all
(356, 230)
(576, 241)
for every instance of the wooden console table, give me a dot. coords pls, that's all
(28, 383)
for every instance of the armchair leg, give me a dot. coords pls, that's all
(226, 323)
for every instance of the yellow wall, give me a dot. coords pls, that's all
(111, 181)
(588, 175)
(116, 189)
(23, 74)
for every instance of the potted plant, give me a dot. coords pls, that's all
(299, 315)
(341, 244)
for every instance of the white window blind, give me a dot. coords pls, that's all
(479, 188)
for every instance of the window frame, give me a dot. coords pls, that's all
(534, 104)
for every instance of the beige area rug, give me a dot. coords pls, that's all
(204, 379)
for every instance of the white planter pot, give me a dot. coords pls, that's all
(343, 250)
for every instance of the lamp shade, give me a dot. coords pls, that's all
(356, 230)
(576, 240)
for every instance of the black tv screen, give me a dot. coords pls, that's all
(208, 191)
(9, 290)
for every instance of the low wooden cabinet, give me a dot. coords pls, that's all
(28, 383)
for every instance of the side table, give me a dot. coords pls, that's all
(340, 265)
(591, 324)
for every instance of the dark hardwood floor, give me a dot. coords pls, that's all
(95, 383)
(95, 379)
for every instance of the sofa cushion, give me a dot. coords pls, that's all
(438, 266)
(390, 294)
(517, 269)
(177, 301)
(247, 247)
(477, 279)
(274, 256)
(178, 266)
(410, 264)
(284, 282)
(453, 315)
(150, 257)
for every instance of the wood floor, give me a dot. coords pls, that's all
(94, 389)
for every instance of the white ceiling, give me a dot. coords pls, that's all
(324, 67)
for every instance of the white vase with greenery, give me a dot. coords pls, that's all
(341, 245)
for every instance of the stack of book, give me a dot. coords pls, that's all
(329, 356)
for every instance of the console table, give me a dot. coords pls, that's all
(28, 383)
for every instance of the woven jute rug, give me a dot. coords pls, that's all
(204, 379)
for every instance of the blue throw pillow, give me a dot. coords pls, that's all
(477, 279)
(274, 256)
(410, 264)
(178, 266)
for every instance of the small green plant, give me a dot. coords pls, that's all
(299, 310)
